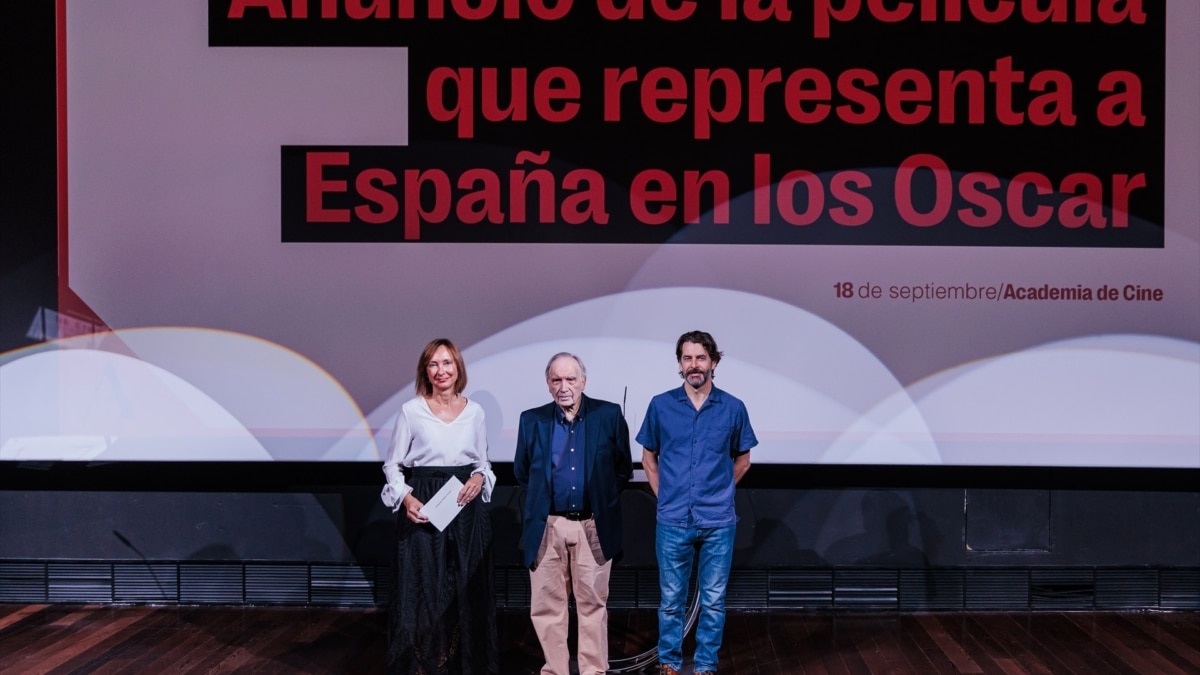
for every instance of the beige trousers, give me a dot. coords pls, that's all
(570, 562)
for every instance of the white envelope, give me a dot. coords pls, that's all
(443, 506)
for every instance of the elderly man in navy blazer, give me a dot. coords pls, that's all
(572, 458)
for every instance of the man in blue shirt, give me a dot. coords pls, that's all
(572, 458)
(696, 443)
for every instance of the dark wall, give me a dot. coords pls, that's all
(887, 527)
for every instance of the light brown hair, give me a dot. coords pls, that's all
(424, 385)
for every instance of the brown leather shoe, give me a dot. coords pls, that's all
(667, 670)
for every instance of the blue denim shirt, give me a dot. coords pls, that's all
(695, 451)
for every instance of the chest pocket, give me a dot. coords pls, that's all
(715, 438)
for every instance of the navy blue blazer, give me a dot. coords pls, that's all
(608, 469)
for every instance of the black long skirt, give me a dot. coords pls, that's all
(442, 615)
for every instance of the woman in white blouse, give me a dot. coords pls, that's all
(442, 617)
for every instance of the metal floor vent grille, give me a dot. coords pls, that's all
(622, 591)
(79, 582)
(866, 589)
(512, 587)
(851, 589)
(343, 585)
(1179, 589)
(1062, 589)
(1126, 589)
(932, 589)
(277, 584)
(23, 582)
(996, 589)
(747, 590)
(139, 583)
(215, 583)
(800, 589)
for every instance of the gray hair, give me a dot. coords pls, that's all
(566, 355)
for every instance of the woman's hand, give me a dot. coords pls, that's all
(412, 509)
(470, 489)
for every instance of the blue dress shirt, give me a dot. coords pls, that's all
(696, 449)
(567, 472)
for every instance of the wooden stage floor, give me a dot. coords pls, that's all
(189, 639)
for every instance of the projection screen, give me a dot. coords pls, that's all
(931, 233)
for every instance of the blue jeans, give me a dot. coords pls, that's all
(675, 547)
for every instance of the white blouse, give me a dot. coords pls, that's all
(420, 438)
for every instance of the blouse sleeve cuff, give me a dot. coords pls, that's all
(489, 481)
(394, 492)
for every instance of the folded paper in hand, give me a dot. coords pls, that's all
(443, 506)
